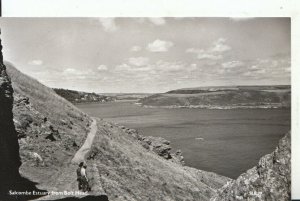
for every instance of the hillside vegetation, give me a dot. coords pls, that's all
(81, 97)
(223, 97)
(122, 163)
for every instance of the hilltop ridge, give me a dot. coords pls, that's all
(277, 96)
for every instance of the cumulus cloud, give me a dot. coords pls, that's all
(35, 62)
(213, 52)
(157, 20)
(273, 68)
(138, 61)
(220, 46)
(108, 24)
(159, 46)
(102, 67)
(136, 48)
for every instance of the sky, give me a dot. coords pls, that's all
(149, 55)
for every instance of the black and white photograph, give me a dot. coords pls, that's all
(145, 108)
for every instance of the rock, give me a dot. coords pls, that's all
(75, 144)
(25, 120)
(269, 180)
(36, 157)
(51, 137)
(178, 158)
(157, 144)
(21, 100)
(9, 154)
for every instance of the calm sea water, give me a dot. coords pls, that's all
(229, 141)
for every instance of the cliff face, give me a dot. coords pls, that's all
(9, 154)
(269, 180)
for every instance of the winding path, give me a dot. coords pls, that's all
(86, 147)
(66, 179)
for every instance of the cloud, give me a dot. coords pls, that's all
(220, 46)
(276, 68)
(108, 24)
(204, 54)
(209, 56)
(213, 52)
(165, 66)
(157, 20)
(128, 68)
(138, 61)
(102, 67)
(254, 67)
(135, 48)
(35, 62)
(159, 46)
(232, 64)
(192, 67)
(72, 71)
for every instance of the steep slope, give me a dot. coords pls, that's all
(130, 171)
(223, 97)
(51, 130)
(269, 180)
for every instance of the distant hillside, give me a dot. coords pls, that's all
(126, 96)
(81, 97)
(222, 97)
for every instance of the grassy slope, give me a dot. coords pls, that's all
(130, 172)
(127, 170)
(70, 123)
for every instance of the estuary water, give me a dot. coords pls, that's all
(227, 142)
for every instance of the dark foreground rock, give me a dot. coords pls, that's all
(9, 154)
(269, 180)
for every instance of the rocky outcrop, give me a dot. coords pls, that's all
(9, 154)
(269, 180)
(158, 145)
